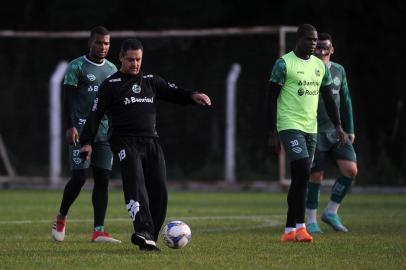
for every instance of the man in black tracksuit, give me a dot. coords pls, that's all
(129, 99)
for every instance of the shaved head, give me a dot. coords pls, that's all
(304, 29)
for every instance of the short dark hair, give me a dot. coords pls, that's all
(99, 30)
(304, 29)
(325, 36)
(131, 44)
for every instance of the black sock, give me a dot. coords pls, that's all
(300, 173)
(100, 195)
(72, 190)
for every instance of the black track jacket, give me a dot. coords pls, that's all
(130, 102)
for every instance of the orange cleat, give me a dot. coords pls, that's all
(303, 236)
(288, 237)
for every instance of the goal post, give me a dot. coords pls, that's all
(55, 123)
(55, 133)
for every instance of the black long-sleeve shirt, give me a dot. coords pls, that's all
(130, 102)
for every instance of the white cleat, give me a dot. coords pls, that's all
(58, 229)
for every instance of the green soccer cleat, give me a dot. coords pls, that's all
(313, 228)
(334, 221)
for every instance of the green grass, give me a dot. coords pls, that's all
(229, 231)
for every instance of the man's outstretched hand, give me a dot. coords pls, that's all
(201, 99)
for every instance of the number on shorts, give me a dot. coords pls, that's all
(294, 143)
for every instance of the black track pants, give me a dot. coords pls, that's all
(144, 182)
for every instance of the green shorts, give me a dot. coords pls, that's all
(102, 157)
(327, 146)
(298, 144)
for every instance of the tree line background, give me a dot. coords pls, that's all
(368, 39)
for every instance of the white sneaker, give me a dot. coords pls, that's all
(58, 229)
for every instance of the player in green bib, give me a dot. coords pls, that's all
(344, 155)
(82, 80)
(297, 79)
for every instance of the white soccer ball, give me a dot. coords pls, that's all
(176, 234)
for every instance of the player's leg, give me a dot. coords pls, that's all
(346, 162)
(155, 180)
(71, 191)
(295, 144)
(100, 196)
(343, 183)
(312, 201)
(130, 152)
(313, 192)
(290, 226)
(300, 172)
(301, 230)
(79, 175)
(102, 158)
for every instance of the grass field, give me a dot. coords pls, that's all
(229, 231)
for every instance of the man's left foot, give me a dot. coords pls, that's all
(58, 229)
(313, 228)
(102, 236)
(288, 237)
(334, 221)
(143, 242)
(303, 236)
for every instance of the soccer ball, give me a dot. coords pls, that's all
(176, 234)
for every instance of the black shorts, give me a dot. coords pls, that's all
(298, 144)
(101, 157)
(327, 146)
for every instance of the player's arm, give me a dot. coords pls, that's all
(346, 108)
(271, 111)
(100, 104)
(70, 89)
(175, 94)
(68, 94)
(278, 77)
(331, 107)
(72, 135)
